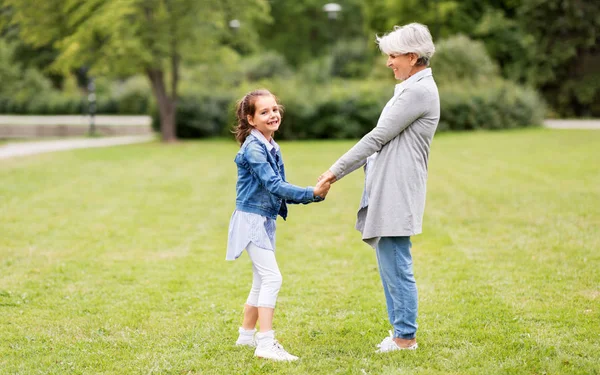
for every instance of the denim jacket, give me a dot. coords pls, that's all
(261, 186)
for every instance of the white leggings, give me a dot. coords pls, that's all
(266, 280)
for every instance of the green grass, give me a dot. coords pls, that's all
(112, 262)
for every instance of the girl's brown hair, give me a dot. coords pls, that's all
(247, 106)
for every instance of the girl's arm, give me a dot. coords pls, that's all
(260, 167)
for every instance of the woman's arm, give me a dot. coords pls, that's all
(408, 107)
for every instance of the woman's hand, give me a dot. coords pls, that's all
(327, 177)
(322, 189)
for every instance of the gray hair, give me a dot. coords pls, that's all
(411, 38)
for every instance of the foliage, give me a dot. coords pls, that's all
(351, 59)
(509, 45)
(266, 65)
(125, 37)
(202, 115)
(348, 110)
(549, 44)
(567, 57)
(225, 70)
(182, 46)
(339, 109)
(301, 30)
(130, 97)
(318, 71)
(383, 15)
(492, 105)
(459, 60)
(133, 96)
(18, 82)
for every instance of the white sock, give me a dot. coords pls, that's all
(247, 332)
(265, 338)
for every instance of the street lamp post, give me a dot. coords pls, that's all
(235, 25)
(332, 10)
(92, 104)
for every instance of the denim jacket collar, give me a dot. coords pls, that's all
(414, 78)
(270, 145)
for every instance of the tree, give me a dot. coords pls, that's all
(302, 31)
(567, 52)
(552, 45)
(438, 15)
(19, 82)
(125, 37)
(23, 54)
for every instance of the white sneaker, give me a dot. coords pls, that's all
(275, 352)
(386, 340)
(389, 345)
(246, 338)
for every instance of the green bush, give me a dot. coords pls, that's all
(339, 109)
(266, 65)
(133, 96)
(348, 110)
(200, 116)
(496, 105)
(462, 60)
(351, 59)
(56, 104)
(317, 71)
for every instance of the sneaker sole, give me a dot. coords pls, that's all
(412, 347)
(276, 359)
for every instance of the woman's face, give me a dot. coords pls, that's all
(267, 116)
(401, 64)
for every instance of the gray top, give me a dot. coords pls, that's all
(398, 150)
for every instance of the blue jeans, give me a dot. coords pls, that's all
(396, 270)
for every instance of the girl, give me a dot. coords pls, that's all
(262, 194)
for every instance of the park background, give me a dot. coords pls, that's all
(499, 64)
(111, 260)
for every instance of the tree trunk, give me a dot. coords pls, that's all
(166, 105)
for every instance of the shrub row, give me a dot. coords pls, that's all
(346, 112)
(337, 110)
(498, 105)
(64, 105)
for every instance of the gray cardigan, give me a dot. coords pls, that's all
(396, 170)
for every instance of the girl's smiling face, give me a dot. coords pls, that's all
(267, 116)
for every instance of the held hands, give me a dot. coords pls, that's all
(324, 184)
(322, 189)
(327, 177)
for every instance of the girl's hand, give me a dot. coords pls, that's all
(322, 188)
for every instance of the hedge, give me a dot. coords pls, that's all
(339, 110)
(351, 112)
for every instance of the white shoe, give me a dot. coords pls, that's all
(389, 345)
(246, 338)
(275, 352)
(386, 340)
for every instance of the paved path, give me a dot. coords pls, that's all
(573, 124)
(83, 120)
(10, 150)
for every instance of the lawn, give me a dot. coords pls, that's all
(112, 262)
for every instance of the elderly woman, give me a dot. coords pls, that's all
(395, 155)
